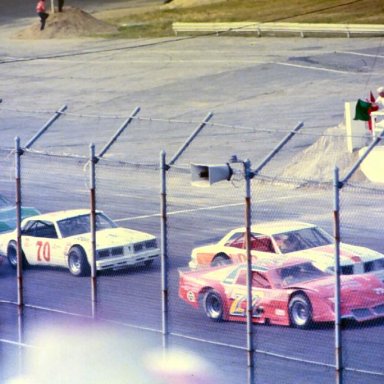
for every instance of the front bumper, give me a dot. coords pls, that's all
(125, 261)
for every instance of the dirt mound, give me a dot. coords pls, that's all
(72, 22)
(318, 161)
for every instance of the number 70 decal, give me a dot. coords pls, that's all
(43, 251)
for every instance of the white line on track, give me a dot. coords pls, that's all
(362, 54)
(315, 68)
(204, 208)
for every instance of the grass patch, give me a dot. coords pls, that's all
(158, 22)
(158, 29)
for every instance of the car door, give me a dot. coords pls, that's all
(238, 295)
(41, 245)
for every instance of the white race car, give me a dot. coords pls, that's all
(63, 239)
(290, 239)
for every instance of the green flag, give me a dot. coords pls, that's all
(362, 110)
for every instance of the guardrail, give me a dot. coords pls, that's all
(271, 28)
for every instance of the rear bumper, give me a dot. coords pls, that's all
(192, 264)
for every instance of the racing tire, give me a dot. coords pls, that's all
(220, 260)
(12, 256)
(148, 263)
(213, 305)
(300, 311)
(77, 262)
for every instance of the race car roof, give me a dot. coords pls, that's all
(60, 215)
(274, 227)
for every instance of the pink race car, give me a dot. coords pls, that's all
(292, 293)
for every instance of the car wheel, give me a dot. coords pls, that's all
(12, 255)
(221, 260)
(300, 311)
(77, 262)
(213, 305)
(148, 263)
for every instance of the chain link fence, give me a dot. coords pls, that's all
(130, 187)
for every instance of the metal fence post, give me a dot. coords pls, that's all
(42, 130)
(19, 268)
(336, 214)
(250, 348)
(20, 291)
(119, 132)
(276, 150)
(93, 228)
(190, 139)
(164, 248)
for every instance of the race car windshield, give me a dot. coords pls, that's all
(78, 225)
(299, 273)
(302, 239)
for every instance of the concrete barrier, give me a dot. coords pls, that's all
(269, 28)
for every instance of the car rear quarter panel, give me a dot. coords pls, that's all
(192, 288)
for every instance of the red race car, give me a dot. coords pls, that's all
(292, 293)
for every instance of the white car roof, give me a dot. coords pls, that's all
(60, 215)
(274, 227)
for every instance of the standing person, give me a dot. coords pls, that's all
(40, 9)
(378, 105)
(380, 99)
(61, 5)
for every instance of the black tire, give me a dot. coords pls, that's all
(220, 259)
(77, 262)
(300, 311)
(148, 263)
(12, 255)
(213, 305)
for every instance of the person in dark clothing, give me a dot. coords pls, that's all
(61, 5)
(40, 10)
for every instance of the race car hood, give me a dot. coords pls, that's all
(357, 286)
(115, 237)
(349, 254)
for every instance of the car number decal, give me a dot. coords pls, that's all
(43, 251)
(239, 303)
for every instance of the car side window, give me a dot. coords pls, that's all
(258, 243)
(261, 244)
(242, 277)
(28, 228)
(236, 240)
(44, 229)
(260, 281)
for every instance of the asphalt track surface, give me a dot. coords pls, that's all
(269, 83)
